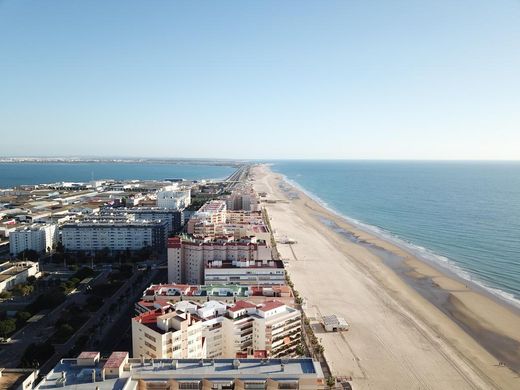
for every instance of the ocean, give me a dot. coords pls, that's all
(462, 216)
(12, 174)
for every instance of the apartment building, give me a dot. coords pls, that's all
(160, 295)
(167, 334)
(217, 329)
(237, 223)
(211, 214)
(36, 237)
(89, 371)
(173, 197)
(117, 234)
(245, 272)
(243, 199)
(187, 256)
(174, 218)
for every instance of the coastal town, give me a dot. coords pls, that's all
(126, 283)
(244, 282)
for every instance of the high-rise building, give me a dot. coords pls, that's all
(188, 256)
(215, 329)
(40, 238)
(116, 235)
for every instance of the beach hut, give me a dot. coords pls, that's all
(334, 323)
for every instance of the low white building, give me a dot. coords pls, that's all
(122, 372)
(334, 323)
(12, 274)
(40, 238)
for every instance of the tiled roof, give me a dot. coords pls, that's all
(116, 359)
(270, 305)
(240, 305)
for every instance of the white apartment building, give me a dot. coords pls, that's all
(12, 274)
(115, 234)
(35, 237)
(173, 197)
(187, 257)
(243, 199)
(215, 329)
(174, 218)
(238, 223)
(212, 213)
(167, 334)
(245, 272)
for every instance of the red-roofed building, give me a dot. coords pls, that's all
(115, 364)
(220, 329)
(88, 358)
(167, 333)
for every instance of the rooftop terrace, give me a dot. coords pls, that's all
(68, 374)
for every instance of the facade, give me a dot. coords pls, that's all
(174, 218)
(187, 256)
(183, 374)
(160, 295)
(116, 235)
(245, 272)
(215, 329)
(17, 378)
(169, 334)
(171, 197)
(212, 213)
(243, 199)
(12, 274)
(35, 237)
(238, 223)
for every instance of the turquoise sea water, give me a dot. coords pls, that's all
(12, 174)
(461, 215)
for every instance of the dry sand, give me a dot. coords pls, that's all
(398, 339)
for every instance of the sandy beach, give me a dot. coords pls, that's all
(398, 339)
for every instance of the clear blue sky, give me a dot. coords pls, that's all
(261, 79)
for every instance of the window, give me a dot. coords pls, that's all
(192, 385)
(149, 345)
(149, 337)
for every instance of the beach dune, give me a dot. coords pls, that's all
(398, 339)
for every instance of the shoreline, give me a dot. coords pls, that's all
(450, 269)
(441, 312)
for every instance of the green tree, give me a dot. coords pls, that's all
(28, 254)
(7, 327)
(60, 248)
(331, 382)
(5, 295)
(64, 332)
(22, 316)
(23, 289)
(36, 354)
